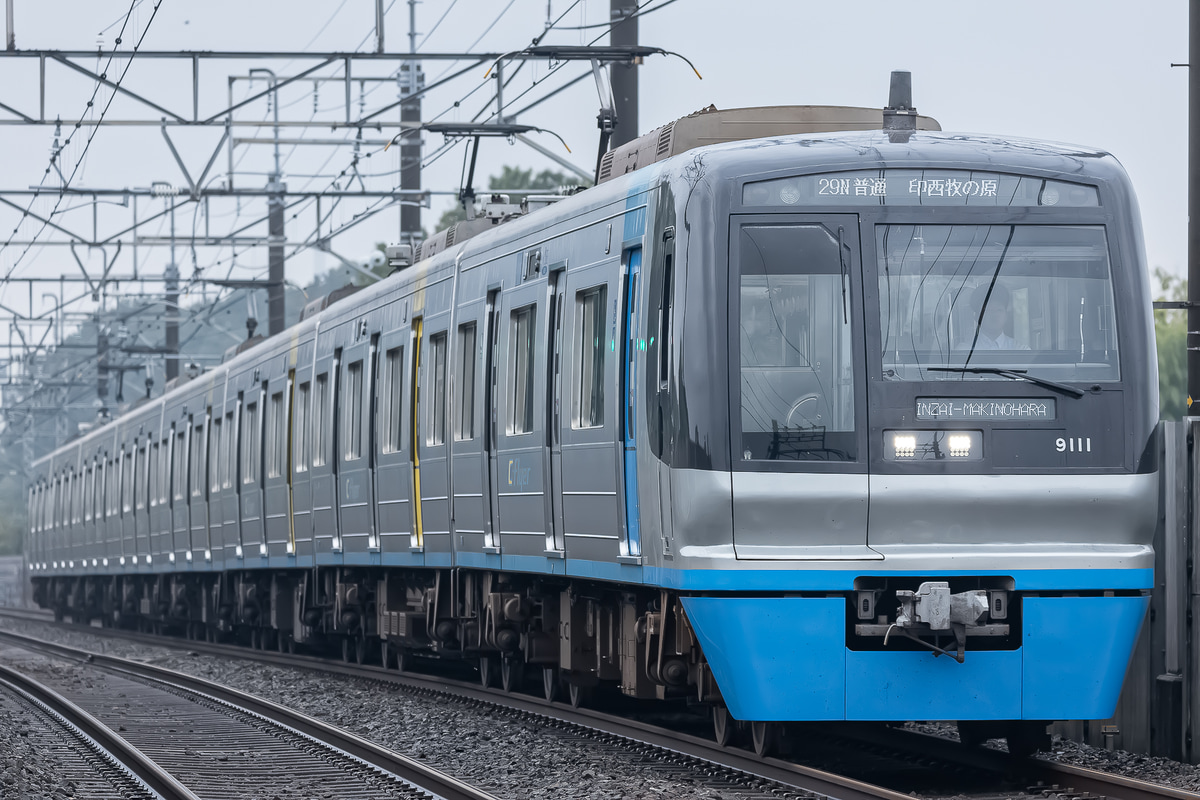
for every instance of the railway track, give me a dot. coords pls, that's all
(1032, 777)
(186, 738)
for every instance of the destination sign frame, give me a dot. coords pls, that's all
(1000, 409)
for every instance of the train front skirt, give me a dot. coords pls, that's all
(785, 658)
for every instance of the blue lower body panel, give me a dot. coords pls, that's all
(785, 658)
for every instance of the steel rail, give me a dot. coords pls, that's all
(777, 770)
(134, 760)
(413, 771)
(1067, 777)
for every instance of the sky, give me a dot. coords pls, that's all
(1094, 73)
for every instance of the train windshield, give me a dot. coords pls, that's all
(797, 376)
(996, 297)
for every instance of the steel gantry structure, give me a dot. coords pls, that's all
(109, 235)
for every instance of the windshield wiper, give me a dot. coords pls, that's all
(1017, 374)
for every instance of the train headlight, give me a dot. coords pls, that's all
(188, 556)
(106, 562)
(208, 555)
(959, 445)
(122, 561)
(171, 557)
(933, 445)
(149, 559)
(904, 445)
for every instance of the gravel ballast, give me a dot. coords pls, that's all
(506, 754)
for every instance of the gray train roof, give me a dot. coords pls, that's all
(871, 149)
(778, 155)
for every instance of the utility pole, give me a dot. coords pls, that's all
(411, 80)
(1193, 314)
(12, 34)
(172, 310)
(624, 76)
(276, 313)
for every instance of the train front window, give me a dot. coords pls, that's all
(956, 298)
(797, 376)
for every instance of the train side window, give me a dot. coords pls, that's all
(250, 443)
(393, 404)
(179, 470)
(437, 405)
(520, 373)
(352, 418)
(464, 428)
(152, 475)
(665, 304)
(127, 484)
(276, 436)
(300, 443)
(320, 409)
(110, 489)
(199, 471)
(215, 462)
(588, 405)
(229, 463)
(139, 478)
(85, 491)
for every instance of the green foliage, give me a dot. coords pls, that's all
(516, 183)
(1170, 330)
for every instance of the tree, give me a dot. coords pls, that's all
(516, 183)
(1170, 330)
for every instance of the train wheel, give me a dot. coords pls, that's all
(723, 725)
(487, 671)
(385, 653)
(765, 736)
(512, 674)
(579, 695)
(1026, 738)
(550, 682)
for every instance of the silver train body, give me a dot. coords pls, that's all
(738, 425)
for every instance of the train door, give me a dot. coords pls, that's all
(490, 418)
(431, 446)
(393, 466)
(592, 506)
(231, 528)
(633, 344)
(797, 438)
(472, 505)
(179, 499)
(356, 517)
(250, 486)
(277, 471)
(322, 476)
(199, 534)
(520, 430)
(418, 532)
(141, 502)
(301, 458)
(555, 543)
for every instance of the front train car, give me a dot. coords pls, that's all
(910, 430)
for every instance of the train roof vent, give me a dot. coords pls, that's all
(241, 347)
(606, 165)
(664, 140)
(713, 126)
(318, 305)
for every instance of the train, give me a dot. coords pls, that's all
(801, 414)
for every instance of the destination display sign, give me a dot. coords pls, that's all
(923, 187)
(985, 408)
